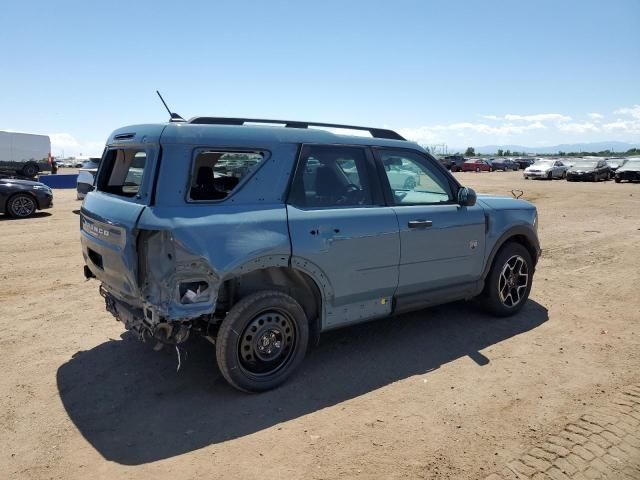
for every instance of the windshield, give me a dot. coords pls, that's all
(584, 164)
(632, 163)
(544, 163)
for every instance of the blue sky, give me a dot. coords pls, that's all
(459, 72)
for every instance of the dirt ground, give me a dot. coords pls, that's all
(442, 393)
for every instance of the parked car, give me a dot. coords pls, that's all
(523, 162)
(84, 183)
(630, 171)
(477, 165)
(546, 169)
(402, 174)
(504, 164)
(589, 170)
(296, 246)
(453, 162)
(86, 177)
(21, 198)
(614, 164)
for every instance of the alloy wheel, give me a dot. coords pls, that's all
(513, 281)
(22, 206)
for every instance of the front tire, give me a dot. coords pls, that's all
(262, 341)
(508, 284)
(21, 205)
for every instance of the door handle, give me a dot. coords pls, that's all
(420, 223)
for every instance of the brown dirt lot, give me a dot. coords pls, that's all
(442, 393)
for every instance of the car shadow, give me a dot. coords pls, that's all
(133, 407)
(8, 218)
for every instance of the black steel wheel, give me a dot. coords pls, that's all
(21, 205)
(508, 284)
(30, 170)
(262, 341)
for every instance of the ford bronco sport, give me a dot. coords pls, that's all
(260, 237)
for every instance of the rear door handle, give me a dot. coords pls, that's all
(420, 223)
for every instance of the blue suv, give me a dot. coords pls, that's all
(261, 234)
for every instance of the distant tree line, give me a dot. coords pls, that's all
(471, 152)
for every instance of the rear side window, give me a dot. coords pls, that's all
(216, 174)
(122, 172)
(331, 177)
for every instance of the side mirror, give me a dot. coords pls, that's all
(466, 197)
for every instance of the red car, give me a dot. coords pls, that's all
(477, 166)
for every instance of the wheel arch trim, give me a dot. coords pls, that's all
(523, 234)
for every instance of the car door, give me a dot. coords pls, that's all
(342, 233)
(442, 243)
(602, 170)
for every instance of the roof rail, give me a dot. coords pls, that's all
(375, 132)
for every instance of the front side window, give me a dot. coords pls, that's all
(331, 176)
(413, 180)
(217, 173)
(122, 172)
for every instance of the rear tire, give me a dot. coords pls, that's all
(262, 341)
(30, 170)
(508, 284)
(21, 205)
(617, 180)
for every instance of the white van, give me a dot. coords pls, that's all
(24, 153)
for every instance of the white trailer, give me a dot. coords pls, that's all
(24, 153)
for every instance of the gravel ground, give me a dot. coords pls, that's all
(442, 393)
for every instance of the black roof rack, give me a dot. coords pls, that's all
(375, 132)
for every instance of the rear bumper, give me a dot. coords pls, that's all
(535, 174)
(139, 321)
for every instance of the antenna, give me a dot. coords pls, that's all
(174, 117)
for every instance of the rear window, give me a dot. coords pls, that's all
(217, 173)
(122, 172)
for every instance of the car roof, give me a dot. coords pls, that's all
(249, 135)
